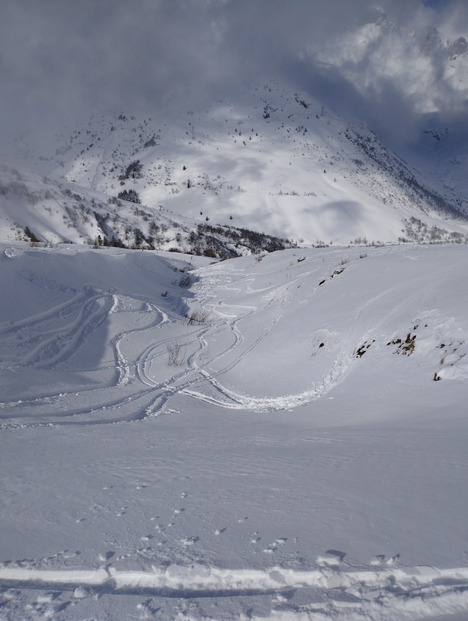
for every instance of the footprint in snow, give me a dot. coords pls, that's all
(332, 558)
(10, 594)
(46, 598)
(274, 546)
(219, 531)
(337, 553)
(81, 592)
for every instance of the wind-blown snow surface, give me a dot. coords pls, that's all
(257, 438)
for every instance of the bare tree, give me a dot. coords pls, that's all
(175, 354)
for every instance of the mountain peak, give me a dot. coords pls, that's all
(280, 162)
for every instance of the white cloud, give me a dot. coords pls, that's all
(60, 59)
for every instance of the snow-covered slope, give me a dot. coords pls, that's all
(38, 209)
(279, 162)
(275, 436)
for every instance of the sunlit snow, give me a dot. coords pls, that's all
(283, 438)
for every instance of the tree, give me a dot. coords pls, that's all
(130, 196)
(133, 171)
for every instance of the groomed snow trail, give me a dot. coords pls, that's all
(381, 595)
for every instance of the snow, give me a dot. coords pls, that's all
(294, 460)
(300, 171)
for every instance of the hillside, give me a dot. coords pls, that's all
(273, 436)
(278, 162)
(233, 311)
(38, 210)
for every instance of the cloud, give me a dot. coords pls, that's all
(61, 60)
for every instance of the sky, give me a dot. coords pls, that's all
(381, 59)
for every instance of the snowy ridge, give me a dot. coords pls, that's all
(41, 210)
(279, 162)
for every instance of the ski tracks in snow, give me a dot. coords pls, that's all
(52, 336)
(51, 341)
(331, 591)
(132, 378)
(136, 381)
(216, 294)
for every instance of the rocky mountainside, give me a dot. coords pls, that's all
(279, 163)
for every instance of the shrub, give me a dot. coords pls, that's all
(185, 281)
(133, 171)
(30, 235)
(129, 195)
(197, 316)
(175, 354)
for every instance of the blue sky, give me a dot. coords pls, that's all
(436, 4)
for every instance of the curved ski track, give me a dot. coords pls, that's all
(136, 381)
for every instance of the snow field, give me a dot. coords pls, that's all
(295, 460)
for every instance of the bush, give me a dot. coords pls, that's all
(129, 195)
(185, 281)
(197, 316)
(30, 235)
(175, 354)
(133, 171)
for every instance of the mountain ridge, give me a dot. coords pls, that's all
(281, 163)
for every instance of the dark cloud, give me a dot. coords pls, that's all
(63, 59)
(437, 4)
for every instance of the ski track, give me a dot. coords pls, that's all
(55, 343)
(229, 398)
(141, 383)
(377, 593)
(137, 390)
(141, 386)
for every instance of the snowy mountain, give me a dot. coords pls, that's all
(280, 436)
(37, 209)
(263, 415)
(280, 163)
